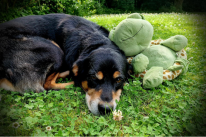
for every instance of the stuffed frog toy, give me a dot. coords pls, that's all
(154, 61)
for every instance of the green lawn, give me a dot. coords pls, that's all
(175, 108)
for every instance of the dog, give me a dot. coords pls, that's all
(36, 50)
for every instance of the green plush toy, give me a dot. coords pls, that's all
(132, 35)
(154, 61)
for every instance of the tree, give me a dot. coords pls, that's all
(178, 4)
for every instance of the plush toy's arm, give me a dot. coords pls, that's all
(140, 63)
(153, 77)
(176, 42)
(184, 63)
(175, 68)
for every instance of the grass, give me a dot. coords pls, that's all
(174, 108)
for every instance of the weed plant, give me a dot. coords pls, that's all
(174, 108)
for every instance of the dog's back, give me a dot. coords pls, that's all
(27, 53)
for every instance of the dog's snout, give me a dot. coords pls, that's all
(104, 109)
(106, 96)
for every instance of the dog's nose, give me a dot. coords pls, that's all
(104, 109)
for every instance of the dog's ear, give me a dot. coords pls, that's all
(129, 70)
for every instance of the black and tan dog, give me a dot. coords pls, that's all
(34, 49)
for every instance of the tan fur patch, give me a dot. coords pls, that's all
(64, 74)
(6, 84)
(177, 63)
(144, 72)
(94, 94)
(75, 69)
(167, 71)
(50, 82)
(116, 74)
(169, 76)
(116, 95)
(178, 71)
(86, 88)
(55, 44)
(85, 85)
(100, 75)
(163, 72)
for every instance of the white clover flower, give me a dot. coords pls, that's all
(83, 113)
(48, 128)
(146, 117)
(117, 115)
(15, 125)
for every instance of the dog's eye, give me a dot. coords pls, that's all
(93, 77)
(118, 80)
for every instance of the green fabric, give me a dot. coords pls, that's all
(132, 35)
(176, 43)
(160, 56)
(136, 16)
(153, 77)
(140, 63)
(184, 63)
(174, 68)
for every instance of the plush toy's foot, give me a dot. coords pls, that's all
(153, 77)
(50, 82)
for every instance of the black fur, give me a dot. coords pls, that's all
(27, 54)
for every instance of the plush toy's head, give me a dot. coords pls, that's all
(132, 35)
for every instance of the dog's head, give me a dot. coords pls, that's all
(101, 74)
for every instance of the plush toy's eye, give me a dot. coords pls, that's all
(118, 80)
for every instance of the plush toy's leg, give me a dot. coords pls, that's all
(153, 77)
(50, 82)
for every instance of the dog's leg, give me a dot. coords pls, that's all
(64, 74)
(50, 82)
(7, 85)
